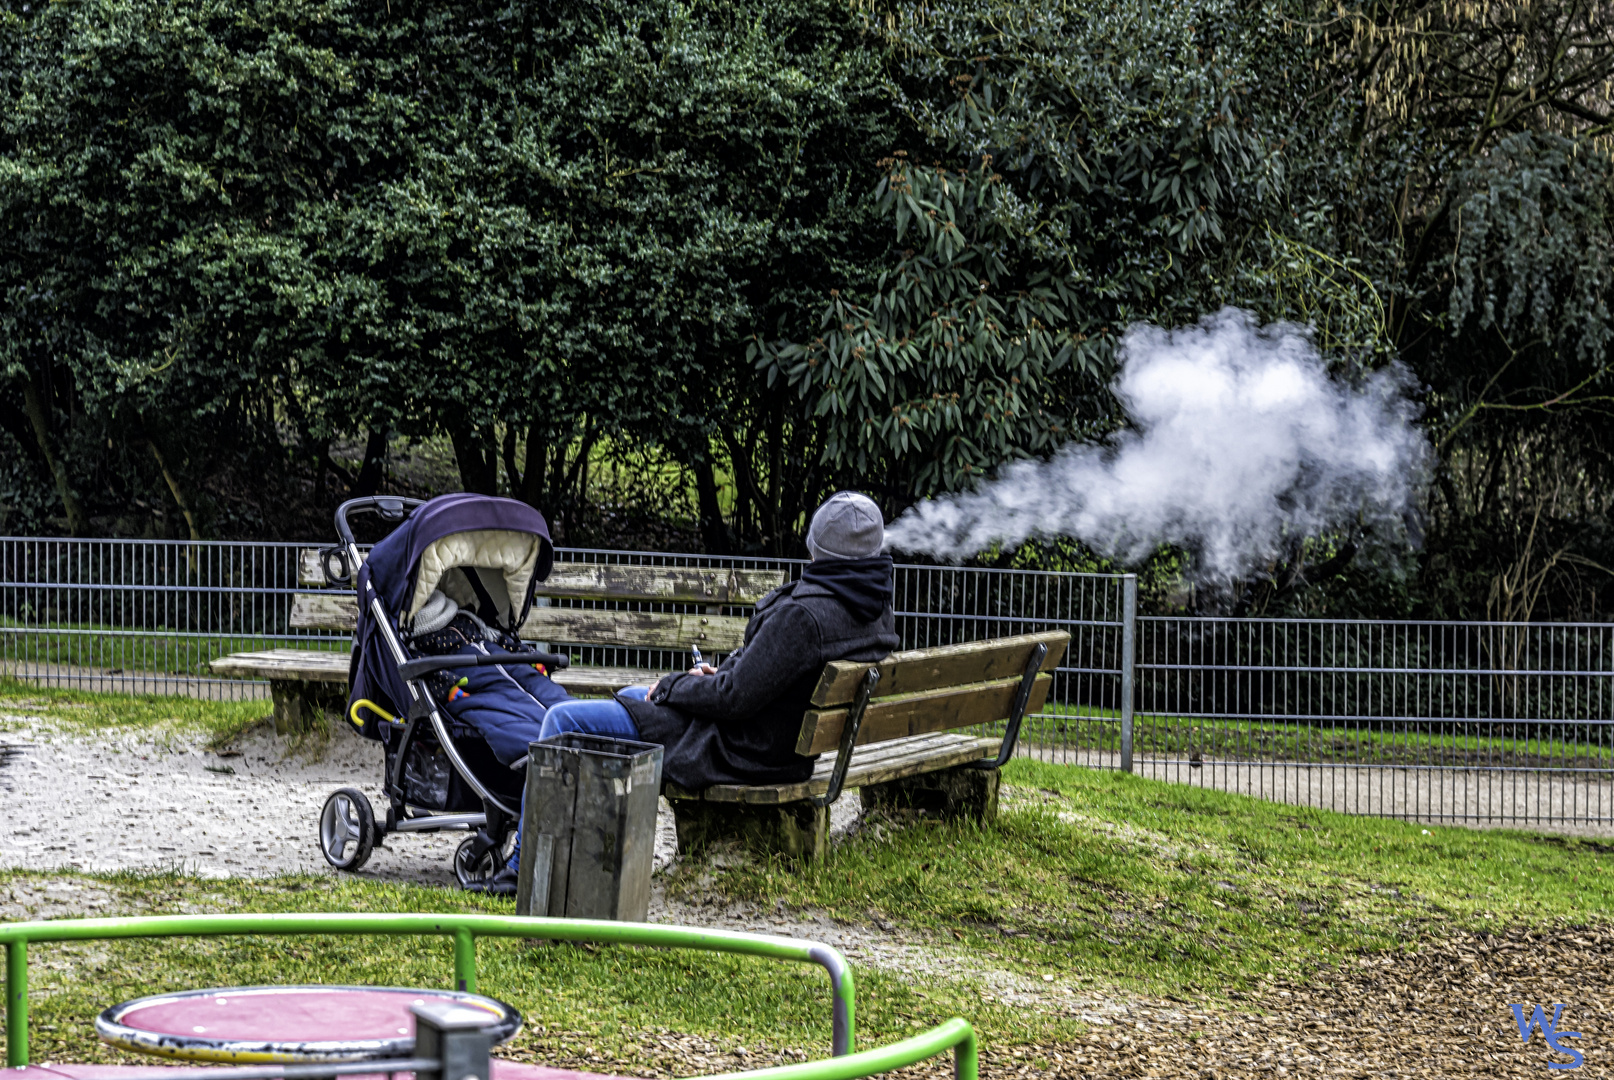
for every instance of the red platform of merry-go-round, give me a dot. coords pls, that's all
(500, 1070)
(262, 1024)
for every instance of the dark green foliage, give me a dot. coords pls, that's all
(1081, 181)
(264, 227)
(789, 247)
(1481, 210)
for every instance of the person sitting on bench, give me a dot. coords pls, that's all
(737, 723)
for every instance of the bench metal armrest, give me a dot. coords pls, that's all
(854, 721)
(1022, 697)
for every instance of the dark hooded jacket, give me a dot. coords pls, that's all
(740, 725)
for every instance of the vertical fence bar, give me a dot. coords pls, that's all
(1129, 647)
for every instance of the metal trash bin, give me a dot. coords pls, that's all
(588, 831)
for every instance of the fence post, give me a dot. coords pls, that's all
(1129, 648)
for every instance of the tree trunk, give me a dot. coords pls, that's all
(368, 482)
(174, 489)
(17, 425)
(507, 449)
(320, 472)
(35, 409)
(532, 475)
(490, 456)
(746, 496)
(713, 534)
(776, 468)
(473, 463)
(577, 476)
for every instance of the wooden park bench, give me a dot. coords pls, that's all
(900, 719)
(896, 724)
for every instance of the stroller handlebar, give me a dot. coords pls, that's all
(388, 507)
(414, 669)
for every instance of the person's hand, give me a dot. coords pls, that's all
(698, 669)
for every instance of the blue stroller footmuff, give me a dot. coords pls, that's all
(504, 704)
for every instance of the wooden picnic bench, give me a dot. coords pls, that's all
(896, 724)
(303, 682)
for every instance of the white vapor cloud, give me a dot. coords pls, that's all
(1240, 442)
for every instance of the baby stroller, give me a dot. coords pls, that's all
(487, 555)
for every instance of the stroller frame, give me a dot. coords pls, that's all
(347, 814)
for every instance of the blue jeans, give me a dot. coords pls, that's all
(590, 716)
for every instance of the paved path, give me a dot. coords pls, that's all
(1524, 798)
(121, 681)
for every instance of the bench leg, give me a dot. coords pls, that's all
(300, 706)
(954, 793)
(798, 830)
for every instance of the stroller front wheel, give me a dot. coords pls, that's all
(476, 861)
(347, 829)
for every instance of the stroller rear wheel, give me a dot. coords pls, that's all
(347, 829)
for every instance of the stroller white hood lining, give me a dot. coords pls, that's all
(504, 560)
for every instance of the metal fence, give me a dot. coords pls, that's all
(1477, 722)
(147, 617)
(1438, 721)
(144, 617)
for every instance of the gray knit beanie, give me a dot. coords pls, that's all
(847, 526)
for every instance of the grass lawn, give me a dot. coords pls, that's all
(161, 715)
(169, 652)
(1363, 741)
(1098, 876)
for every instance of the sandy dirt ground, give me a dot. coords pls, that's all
(118, 802)
(106, 802)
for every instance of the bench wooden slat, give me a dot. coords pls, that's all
(947, 665)
(614, 581)
(309, 572)
(932, 710)
(587, 626)
(324, 611)
(603, 681)
(661, 584)
(866, 757)
(896, 751)
(307, 665)
(641, 629)
(903, 757)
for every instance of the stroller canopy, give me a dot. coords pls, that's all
(475, 548)
(485, 553)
